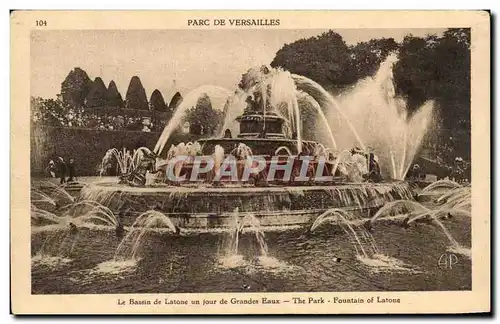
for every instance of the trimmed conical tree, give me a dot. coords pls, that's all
(175, 101)
(136, 95)
(97, 94)
(157, 102)
(113, 96)
(75, 88)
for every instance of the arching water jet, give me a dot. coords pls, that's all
(189, 101)
(325, 99)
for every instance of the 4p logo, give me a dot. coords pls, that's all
(447, 261)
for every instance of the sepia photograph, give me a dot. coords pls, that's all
(251, 158)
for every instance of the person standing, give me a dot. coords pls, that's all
(71, 170)
(415, 173)
(51, 169)
(62, 170)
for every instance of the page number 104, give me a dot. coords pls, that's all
(40, 23)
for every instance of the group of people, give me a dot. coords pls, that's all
(459, 171)
(416, 173)
(61, 169)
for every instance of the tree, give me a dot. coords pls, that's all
(49, 112)
(113, 97)
(453, 87)
(75, 88)
(97, 94)
(367, 56)
(428, 68)
(35, 107)
(438, 68)
(157, 102)
(324, 59)
(415, 71)
(136, 95)
(203, 119)
(175, 101)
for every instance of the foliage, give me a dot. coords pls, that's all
(324, 59)
(429, 68)
(113, 97)
(203, 119)
(438, 68)
(136, 95)
(97, 94)
(366, 57)
(175, 101)
(75, 88)
(51, 111)
(157, 102)
(87, 146)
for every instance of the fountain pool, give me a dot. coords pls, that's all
(244, 212)
(296, 260)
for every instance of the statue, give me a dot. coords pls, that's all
(137, 176)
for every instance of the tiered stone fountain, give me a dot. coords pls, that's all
(206, 203)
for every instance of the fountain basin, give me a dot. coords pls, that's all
(214, 207)
(259, 146)
(314, 169)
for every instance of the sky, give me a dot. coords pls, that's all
(192, 58)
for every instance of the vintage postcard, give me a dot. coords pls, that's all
(250, 162)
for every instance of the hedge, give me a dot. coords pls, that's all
(87, 146)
